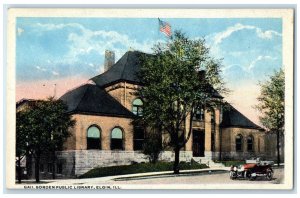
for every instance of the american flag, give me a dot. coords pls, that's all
(165, 28)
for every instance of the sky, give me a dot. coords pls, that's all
(55, 54)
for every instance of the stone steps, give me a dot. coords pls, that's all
(208, 162)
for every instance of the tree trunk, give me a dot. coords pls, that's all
(278, 147)
(176, 162)
(19, 170)
(37, 169)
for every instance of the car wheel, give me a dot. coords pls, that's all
(247, 174)
(269, 174)
(232, 175)
(252, 178)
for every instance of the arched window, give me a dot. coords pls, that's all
(199, 114)
(250, 143)
(116, 139)
(93, 138)
(137, 107)
(239, 143)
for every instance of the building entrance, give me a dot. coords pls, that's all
(198, 143)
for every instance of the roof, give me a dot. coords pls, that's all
(25, 101)
(125, 69)
(234, 118)
(90, 99)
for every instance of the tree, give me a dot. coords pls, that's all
(21, 145)
(45, 126)
(271, 105)
(178, 79)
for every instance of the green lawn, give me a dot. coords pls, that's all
(139, 168)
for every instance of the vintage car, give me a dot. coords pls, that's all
(252, 169)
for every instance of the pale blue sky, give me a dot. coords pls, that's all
(52, 48)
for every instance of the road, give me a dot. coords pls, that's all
(208, 178)
(216, 179)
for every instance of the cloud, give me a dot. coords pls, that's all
(40, 68)
(267, 34)
(51, 27)
(55, 73)
(20, 31)
(219, 37)
(256, 70)
(259, 58)
(82, 42)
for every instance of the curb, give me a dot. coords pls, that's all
(169, 174)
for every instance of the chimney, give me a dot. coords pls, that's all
(109, 59)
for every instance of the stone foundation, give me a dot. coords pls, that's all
(78, 162)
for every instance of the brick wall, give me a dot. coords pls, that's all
(229, 143)
(78, 140)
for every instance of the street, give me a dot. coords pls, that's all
(207, 178)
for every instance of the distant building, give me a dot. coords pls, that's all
(104, 134)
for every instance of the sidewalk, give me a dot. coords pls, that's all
(111, 179)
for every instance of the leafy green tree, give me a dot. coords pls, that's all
(271, 105)
(46, 127)
(178, 79)
(21, 145)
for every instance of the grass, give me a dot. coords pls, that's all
(229, 163)
(139, 168)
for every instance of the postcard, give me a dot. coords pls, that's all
(102, 99)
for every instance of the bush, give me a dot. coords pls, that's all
(138, 168)
(152, 146)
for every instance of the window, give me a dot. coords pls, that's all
(138, 138)
(212, 116)
(137, 107)
(239, 142)
(116, 139)
(42, 168)
(199, 114)
(50, 168)
(59, 168)
(212, 141)
(250, 143)
(93, 138)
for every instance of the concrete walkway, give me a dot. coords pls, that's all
(111, 179)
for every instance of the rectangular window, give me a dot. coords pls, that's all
(93, 143)
(50, 168)
(138, 138)
(250, 147)
(42, 168)
(213, 142)
(238, 147)
(59, 168)
(116, 144)
(199, 115)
